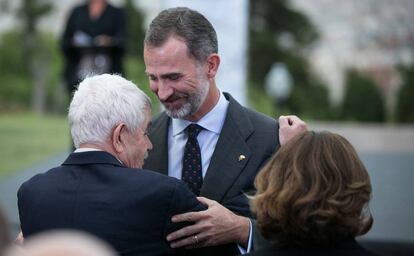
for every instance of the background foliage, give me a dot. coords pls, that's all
(279, 33)
(16, 83)
(405, 101)
(363, 101)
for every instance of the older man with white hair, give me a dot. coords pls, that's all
(101, 188)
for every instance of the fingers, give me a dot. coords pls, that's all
(283, 121)
(188, 230)
(294, 120)
(290, 120)
(289, 127)
(206, 201)
(182, 237)
(199, 242)
(216, 225)
(191, 242)
(195, 216)
(188, 216)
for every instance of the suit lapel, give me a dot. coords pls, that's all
(231, 153)
(158, 157)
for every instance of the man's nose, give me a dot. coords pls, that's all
(164, 91)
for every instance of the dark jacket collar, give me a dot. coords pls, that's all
(91, 157)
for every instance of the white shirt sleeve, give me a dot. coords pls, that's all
(249, 243)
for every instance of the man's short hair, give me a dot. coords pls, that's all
(100, 103)
(193, 27)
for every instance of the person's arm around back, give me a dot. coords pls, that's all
(217, 225)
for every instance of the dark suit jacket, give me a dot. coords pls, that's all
(93, 192)
(342, 248)
(245, 132)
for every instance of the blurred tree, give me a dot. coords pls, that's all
(362, 100)
(27, 57)
(16, 90)
(134, 63)
(279, 33)
(136, 33)
(36, 56)
(405, 99)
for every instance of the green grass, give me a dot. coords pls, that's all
(27, 138)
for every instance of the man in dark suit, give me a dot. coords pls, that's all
(93, 41)
(101, 188)
(232, 142)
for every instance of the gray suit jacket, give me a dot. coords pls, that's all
(245, 132)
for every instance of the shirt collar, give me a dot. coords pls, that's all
(212, 121)
(80, 150)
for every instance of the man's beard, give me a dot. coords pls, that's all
(193, 103)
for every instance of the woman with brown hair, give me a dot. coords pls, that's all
(312, 198)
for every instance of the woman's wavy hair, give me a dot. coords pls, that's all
(313, 192)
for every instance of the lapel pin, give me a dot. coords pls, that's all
(242, 157)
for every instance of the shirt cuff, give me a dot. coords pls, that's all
(249, 243)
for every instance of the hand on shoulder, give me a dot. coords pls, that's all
(289, 127)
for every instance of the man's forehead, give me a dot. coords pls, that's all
(172, 50)
(171, 47)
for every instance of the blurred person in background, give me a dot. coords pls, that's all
(312, 198)
(101, 187)
(62, 243)
(93, 41)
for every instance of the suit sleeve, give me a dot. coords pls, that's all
(21, 205)
(182, 200)
(258, 240)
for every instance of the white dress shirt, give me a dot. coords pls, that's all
(212, 124)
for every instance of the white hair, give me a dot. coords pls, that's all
(100, 103)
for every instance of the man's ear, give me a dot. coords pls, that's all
(213, 63)
(118, 137)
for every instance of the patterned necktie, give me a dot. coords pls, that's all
(192, 172)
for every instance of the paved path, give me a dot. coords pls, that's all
(10, 185)
(392, 204)
(388, 154)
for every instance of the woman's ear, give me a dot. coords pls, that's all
(213, 62)
(118, 137)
